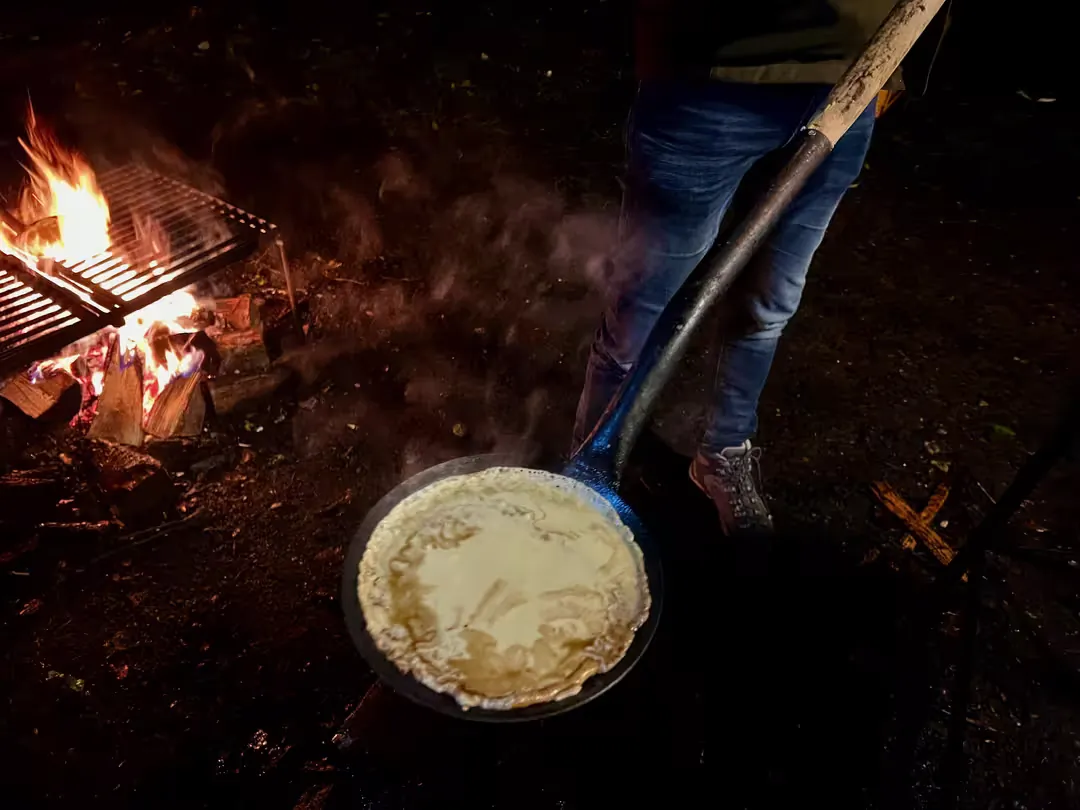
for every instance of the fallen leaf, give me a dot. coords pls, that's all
(459, 429)
(275, 505)
(1003, 430)
(118, 642)
(941, 465)
(72, 683)
(204, 45)
(31, 607)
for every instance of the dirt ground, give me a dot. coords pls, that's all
(447, 183)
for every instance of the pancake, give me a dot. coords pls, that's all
(503, 588)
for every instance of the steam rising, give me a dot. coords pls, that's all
(450, 296)
(476, 305)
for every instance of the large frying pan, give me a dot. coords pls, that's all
(419, 693)
(600, 462)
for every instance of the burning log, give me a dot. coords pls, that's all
(35, 398)
(229, 393)
(119, 414)
(179, 410)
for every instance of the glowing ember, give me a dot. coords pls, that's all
(65, 218)
(144, 336)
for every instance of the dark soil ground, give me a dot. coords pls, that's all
(448, 183)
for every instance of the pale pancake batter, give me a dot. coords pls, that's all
(503, 588)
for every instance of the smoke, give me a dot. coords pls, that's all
(452, 296)
(360, 237)
(479, 303)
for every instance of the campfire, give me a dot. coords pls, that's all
(95, 292)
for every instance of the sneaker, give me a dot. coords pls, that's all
(728, 478)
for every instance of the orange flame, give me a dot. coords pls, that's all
(138, 337)
(160, 368)
(66, 217)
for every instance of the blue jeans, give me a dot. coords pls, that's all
(689, 146)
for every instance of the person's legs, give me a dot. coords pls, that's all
(745, 360)
(689, 146)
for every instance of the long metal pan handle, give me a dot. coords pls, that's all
(607, 450)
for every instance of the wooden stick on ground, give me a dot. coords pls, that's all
(927, 515)
(920, 524)
(141, 538)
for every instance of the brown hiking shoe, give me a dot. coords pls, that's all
(728, 479)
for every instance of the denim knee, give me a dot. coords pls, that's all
(770, 313)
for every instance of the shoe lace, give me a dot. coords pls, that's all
(742, 476)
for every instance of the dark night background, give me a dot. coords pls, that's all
(446, 177)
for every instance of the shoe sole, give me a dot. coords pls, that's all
(694, 480)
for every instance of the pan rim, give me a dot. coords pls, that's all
(408, 686)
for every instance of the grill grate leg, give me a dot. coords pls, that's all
(289, 285)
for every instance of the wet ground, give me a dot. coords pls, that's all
(447, 183)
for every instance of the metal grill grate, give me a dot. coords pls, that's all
(164, 236)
